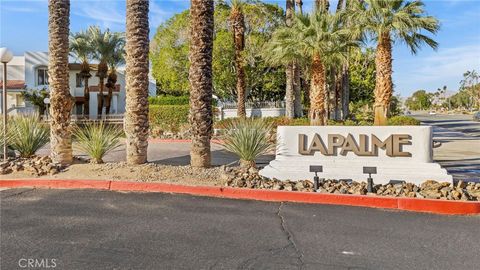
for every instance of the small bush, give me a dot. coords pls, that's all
(27, 135)
(168, 100)
(168, 117)
(248, 139)
(10, 152)
(97, 139)
(403, 120)
(274, 122)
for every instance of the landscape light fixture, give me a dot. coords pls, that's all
(5, 57)
(395, 182)
(316, 180)
(370, 171)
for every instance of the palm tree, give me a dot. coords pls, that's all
(80, 46)
(116, 58)
(298, 105)
(237, 23)
(200, 78)
(299, 4)
(105, 44)
(318, 40)
(60, 98)
(290, 67)
(388, 21)
(322, 5)
(137, 67)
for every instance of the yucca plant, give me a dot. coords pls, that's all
(97, 139)
(27, 134)
(248, 139)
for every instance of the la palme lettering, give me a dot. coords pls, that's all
(363, 146)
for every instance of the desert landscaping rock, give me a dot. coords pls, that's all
(249, 178)
(36, 166)
(238, 177)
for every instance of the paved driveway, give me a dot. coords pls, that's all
(83, 229)
(460, 149)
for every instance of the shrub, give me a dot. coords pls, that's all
(274, 122)
(28, 134)
(168, 100)
(97, 139)
(248, 139)
(2, 141)
(168, 117)
(403, 120)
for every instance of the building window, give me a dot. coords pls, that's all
(42, 76)
(79, 80)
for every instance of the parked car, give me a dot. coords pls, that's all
(432, 113)
(476, 116)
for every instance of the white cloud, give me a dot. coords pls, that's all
(109, 13)
(442, 68)
(158, 14)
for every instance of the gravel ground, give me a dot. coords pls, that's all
(149, 172)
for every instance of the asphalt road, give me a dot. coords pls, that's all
(84, 229)
(460, 149)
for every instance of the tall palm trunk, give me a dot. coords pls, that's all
(238, 26)
(322, 5)
(290, 68)
(299, 6)
(317, 92)
(344, 90)
(137, 65)
(101, 74)
(298, 76)
(200, 78)
(60, 98)
(297, 86)
(383, 80)
(86, 91)
(345, 98)
(111, 82)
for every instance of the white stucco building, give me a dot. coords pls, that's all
(30, 72)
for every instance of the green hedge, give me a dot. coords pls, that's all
(173, 100)
(403, 120)
(168, 117)
(274, 121)
(283, 121)
(168, 100)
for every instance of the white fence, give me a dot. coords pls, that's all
(253, 109)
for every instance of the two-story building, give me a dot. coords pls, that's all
(30, 72)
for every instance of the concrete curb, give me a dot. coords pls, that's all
(408, 204)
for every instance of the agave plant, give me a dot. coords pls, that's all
(27, 135)
(97, 139)
(248, 139)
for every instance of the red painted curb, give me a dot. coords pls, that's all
(407, 204)
(93, 184)
(439, 206)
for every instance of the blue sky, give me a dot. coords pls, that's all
(23, 27)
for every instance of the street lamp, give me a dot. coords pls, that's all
(5, 57)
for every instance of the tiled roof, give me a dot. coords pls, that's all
(13, 84)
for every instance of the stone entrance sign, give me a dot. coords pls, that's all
(398, 152)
